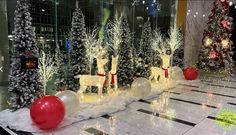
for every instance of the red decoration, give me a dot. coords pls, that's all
(213, 54)
(166, 72)
(47, 112)
(225, 24)
(113, 78)
(190, 73)
(29, 63)
(105, 82)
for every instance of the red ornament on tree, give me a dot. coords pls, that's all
(213, 54)
(190, 73)
(225, 24)
(47, 112)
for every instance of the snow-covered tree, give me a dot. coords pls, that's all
(25, 84)
(145, 53)
(114, 34)
(47, 68)
(61, 65)
(125, 65)
(79, 63)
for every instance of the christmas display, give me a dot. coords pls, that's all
(216, 53)
(25, 85)
(95, 73)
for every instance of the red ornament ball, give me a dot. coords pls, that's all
(190, 73)
(47, 112)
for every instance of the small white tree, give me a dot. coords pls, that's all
(114, 33)
(158, 42)
(175, 41)
(47, 68)
(91, 43)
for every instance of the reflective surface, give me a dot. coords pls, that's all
(191, 110)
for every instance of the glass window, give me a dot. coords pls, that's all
(52, 18)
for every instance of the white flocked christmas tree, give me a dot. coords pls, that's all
(79, 63)
(24, 84)
(145, 53)
(125, 71)
(60, 81)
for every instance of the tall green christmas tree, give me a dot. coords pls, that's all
(216, 54)
(79, 63)
(145, 53)
(125, 71)
(25, 85)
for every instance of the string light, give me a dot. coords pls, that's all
(196, 13)
(143, 2)
(230, 3)
(203, 15)
(189, 10)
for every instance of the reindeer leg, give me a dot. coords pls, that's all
(115, 83)
(109, 81)
(100, 90)
(82, 89)
(155, 79)
(150, 78)
(100, 86)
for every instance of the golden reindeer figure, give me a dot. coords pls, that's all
(94, 80)
(163, 72)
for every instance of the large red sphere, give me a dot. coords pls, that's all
(47, 112)
(190, 73)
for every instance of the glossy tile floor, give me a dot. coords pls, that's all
(191, 110)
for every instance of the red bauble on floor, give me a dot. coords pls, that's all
(47, 112)
(190, 73)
